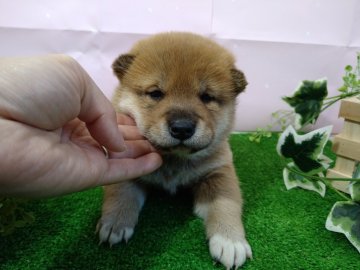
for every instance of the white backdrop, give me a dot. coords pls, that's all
(277, 43)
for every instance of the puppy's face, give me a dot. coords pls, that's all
(180, 88)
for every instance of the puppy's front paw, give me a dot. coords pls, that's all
(113, 232)
(230, 253)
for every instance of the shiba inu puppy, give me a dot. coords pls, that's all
(180, 88)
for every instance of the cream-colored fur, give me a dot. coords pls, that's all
(182, 76)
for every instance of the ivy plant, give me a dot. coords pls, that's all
(344, 218)
(305, 153)
(305, 165)
(309, 101)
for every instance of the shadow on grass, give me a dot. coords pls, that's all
(63, 237)
(161, 217)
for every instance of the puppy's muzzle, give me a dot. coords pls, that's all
(181, 124)
(182, 128)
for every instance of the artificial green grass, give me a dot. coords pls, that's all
(285, 228)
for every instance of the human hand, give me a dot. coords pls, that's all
(53, 121)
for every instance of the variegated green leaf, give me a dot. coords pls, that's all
(306, 151)
(344, 218)
(356, 173)
(292, 180)
(354, 189)
(325, 161)
(307, 101)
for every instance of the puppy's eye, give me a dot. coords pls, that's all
(207, 98)
(156, 94)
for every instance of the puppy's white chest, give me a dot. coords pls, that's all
(171, 179)
(170, 176)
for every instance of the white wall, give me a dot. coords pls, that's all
(277, 43)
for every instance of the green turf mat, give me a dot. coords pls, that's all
(286, 229)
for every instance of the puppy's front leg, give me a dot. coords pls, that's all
(218, 201)
(120, 211)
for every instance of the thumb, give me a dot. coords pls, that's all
(100, 117)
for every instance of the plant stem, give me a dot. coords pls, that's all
(343, 179)
(326, 181)
(334, 97)
(327, 105)
(344, 95)
(341, 194)
(319, 178)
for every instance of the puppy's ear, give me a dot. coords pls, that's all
(122, 64)
(239, 80)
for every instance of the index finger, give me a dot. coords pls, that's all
(99, 115)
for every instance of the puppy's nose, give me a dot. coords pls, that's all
(182, 129)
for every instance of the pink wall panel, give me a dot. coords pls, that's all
(276, 43)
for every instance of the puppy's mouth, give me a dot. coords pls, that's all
(179, 149)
